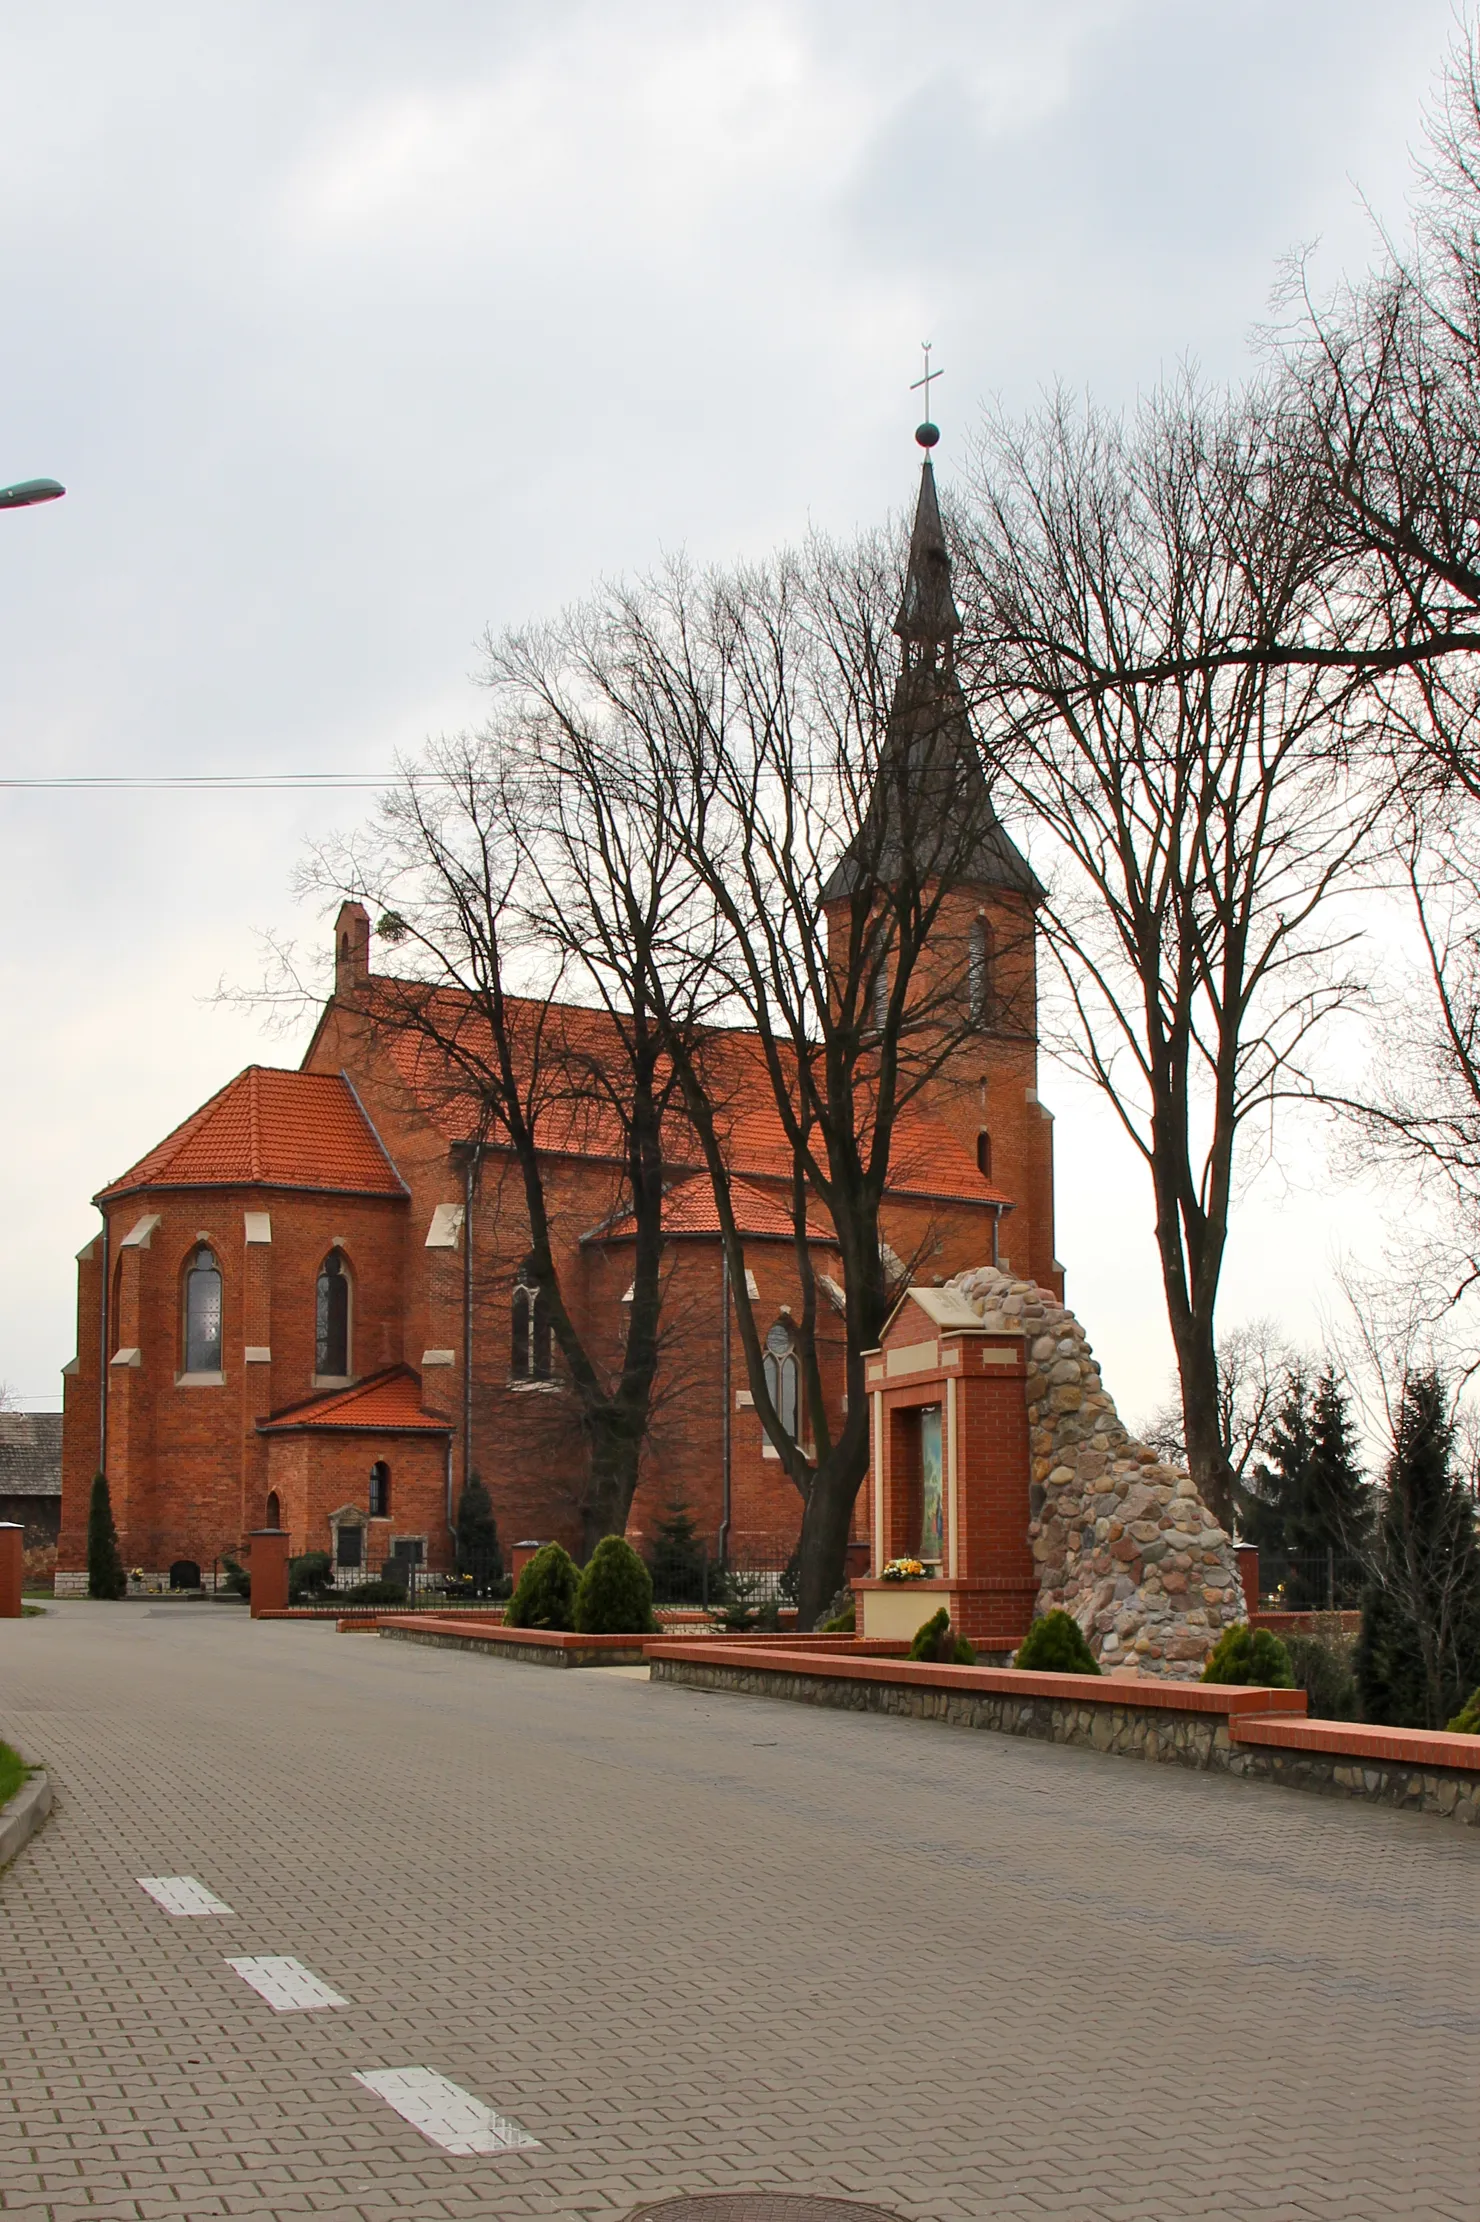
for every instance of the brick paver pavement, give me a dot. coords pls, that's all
(695, 1943)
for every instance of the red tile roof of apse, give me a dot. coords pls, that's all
(388, 1403)
(271, 1128)
(927, 1159)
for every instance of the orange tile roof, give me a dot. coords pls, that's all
(927, 1160)
(689, 1209)
(388, 1404)
(270, 1128)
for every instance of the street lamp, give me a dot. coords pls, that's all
(30, 490)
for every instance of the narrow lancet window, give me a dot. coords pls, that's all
(331, 1353)
(783, 1378)
(203, 1313)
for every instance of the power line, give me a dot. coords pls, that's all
(209, 782)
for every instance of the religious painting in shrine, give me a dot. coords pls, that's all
(932, 1496)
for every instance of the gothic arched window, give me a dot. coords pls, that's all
(979, 973)
(783, 1377)
(380, 1490)
(331, 1319)
(203, 1312)
(984, 1154)
(529, 1331)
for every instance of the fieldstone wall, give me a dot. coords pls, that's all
(1121, 1541)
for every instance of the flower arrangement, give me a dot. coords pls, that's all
(904, 1570)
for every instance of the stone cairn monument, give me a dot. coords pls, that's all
(1120, 1540)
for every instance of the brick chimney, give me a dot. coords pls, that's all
(351, 949)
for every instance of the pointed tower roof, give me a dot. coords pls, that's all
(931, 792)
(928, 616)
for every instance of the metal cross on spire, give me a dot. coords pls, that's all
(926, 434)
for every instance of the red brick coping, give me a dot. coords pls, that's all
(1405, 1747)
(538, 1646)
(1261, 1735)
(1221, 1698)
(470, 1633)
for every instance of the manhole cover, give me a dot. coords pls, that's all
(758, 2206)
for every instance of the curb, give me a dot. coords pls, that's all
(24, 1815)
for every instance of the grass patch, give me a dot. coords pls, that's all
(33, 1612)
(13, 1773)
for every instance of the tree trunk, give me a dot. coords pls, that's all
(614, 1456)
(1207, 1455)
(826, 1520)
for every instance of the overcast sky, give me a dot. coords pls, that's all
(354, 329)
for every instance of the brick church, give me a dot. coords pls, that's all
(307, 1306)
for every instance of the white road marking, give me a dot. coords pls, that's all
(288, 1986)
(182, 1894)
(444, 2112)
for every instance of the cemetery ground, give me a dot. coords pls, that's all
(691, 1943)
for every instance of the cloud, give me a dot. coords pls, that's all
(352, 328)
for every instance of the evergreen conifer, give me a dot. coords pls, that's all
(1056, 1645)
(476, 1539)
(615, 1597)
(545, 1594)
(1419, 1651)
(678, 1559)
(1310, 1507)
(105, 1574)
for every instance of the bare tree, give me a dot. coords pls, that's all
(825, 805)
(1254, 1365)
(445, 865)
(1199, 822)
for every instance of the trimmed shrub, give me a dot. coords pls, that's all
(1247, 1656)
(1467, 1722)
(105, 1574)
(937, 1642)
(545, 1593)
(236, 1581)
(615, 1594)
(374, 1593)
(309, 1576)
(1055, 1645)
(844, 1623)
(1325, 1676)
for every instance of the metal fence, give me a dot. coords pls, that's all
(398, 1582)
(1320, 1581)
(759, 1578)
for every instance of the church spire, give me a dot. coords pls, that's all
(928, 619)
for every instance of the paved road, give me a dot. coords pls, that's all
(694, 1942)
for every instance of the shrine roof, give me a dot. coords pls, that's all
(270, 1128)
(387, 1403)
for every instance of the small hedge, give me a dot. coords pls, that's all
(309, 1575)
(545, 1593)
(615, 1594)
(844, 1623)
(1325, 1676)
(937, 1641)
(1466, 1722)
(1247, 1656)
(1055, 1645)
(377, 1592)
(13, 1773)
